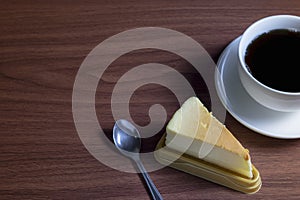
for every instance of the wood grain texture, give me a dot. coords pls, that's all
(42, 45)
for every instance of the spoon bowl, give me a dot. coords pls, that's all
(126, 138)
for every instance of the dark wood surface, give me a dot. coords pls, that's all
(42, 45)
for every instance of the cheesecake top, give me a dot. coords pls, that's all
(193, 120)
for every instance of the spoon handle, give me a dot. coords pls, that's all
(153, 190)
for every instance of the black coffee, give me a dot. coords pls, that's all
(273, 58)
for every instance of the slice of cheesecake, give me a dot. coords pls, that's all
(196, 132)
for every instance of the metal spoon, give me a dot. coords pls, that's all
(127, 140)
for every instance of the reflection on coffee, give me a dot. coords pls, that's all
(273, 58)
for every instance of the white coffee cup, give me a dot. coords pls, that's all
(266, 96)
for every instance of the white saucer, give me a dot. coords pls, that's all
(242, 107)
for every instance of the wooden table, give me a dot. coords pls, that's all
(43, 44)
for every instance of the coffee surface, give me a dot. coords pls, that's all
(273, 58)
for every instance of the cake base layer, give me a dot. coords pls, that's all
(205, 170)
(216, 155)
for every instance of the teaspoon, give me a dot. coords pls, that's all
(127, 140)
